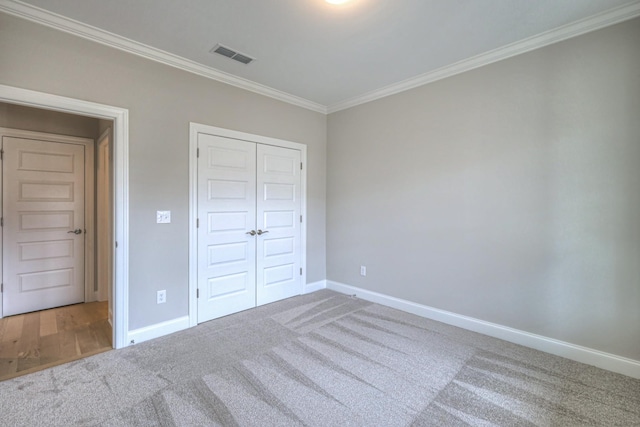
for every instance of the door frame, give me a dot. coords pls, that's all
(120, 118)
(89, 193)
(194, 130)
(102, 187)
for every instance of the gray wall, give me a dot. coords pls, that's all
(510, 193)
(37, 120)
(161, 102)
(103, 125)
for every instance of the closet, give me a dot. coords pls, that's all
(248, 225)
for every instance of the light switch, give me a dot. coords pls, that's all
(163, 217)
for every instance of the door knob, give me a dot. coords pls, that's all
(260, 232)
(252, 232)
(78, 231)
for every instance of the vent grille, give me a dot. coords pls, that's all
(231, 54)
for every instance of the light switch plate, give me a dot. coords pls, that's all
(161, 297)
(163, 217)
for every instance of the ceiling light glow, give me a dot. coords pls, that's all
(337, 1)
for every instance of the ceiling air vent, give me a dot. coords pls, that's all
(232, 54)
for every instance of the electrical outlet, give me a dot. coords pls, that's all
(363, 270)
(161, 297)
(163, 217)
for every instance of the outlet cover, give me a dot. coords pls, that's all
(363, 270)
(163, 217)
(161, 297)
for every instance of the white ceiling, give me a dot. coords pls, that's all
(332, 55)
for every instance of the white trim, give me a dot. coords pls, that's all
(193, 217)
(194, 130)
(71, 26)
(574, 29)
(101, 291)
(315, 286)
(158, 330)
(1, 233)
(611, 362)
(120, 117)
(90, 221)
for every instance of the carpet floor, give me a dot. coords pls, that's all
(322, 359)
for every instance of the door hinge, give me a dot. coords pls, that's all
(1, 288)
(197, 293)
(116, 245)
(198, 152)
(300, 165)
(300, 219)
(1, 154)
(301, 271)
(197, 222)
(1, 222)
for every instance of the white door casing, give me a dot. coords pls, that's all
(120, 118)
(278, 222)
(44, 224)
(104, 221)
(280, 190)
(227, 213)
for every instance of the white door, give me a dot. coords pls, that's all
(227, 216)
(278, 205)
(249, 238)
(43, 232)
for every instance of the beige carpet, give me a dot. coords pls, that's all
(322, 359)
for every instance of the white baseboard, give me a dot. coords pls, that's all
(175, 325)
(610, 362)
(159, 329)
(315, 286)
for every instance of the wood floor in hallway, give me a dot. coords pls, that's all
(34, 341)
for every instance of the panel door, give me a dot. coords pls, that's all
(227, 212)
(43, 233)
(279, 253)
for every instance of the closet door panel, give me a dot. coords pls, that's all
(227, 212)
(278, 259)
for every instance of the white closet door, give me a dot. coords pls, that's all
(279, 251)
(227, 212)
(43, 211)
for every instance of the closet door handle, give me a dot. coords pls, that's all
(260, 232)
(252, 232)
(78, 231)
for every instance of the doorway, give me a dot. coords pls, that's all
(47, 242)
(119, 117)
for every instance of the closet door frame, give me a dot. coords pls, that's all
(194, 130)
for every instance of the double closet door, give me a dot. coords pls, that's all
(249, 239)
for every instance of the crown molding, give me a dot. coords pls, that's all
(59, 22)
(71, 26)
(592, 23)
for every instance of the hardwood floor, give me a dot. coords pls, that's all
(34, 341)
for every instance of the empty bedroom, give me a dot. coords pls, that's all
(320, 212)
